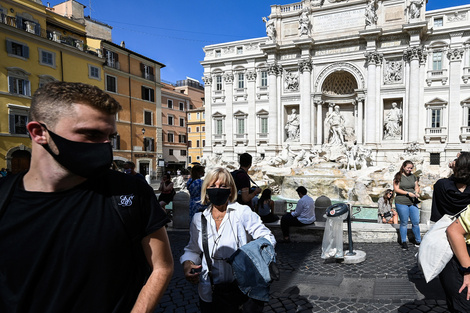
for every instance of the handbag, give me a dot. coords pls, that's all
(225, 293)
(435, 251)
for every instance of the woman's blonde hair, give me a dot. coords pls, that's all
(212, 176)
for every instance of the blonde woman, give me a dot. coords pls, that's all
(228, 224)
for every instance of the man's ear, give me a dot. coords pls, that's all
(37, 132)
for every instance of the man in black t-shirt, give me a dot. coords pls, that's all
(243, 181)
(74, 235)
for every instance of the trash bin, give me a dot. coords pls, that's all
(332, 246)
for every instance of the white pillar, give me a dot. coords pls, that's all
(305, 67)
(208, 111)
(273, 71)
(319, 122)
(414, 54)
(455, 122)
(229, 119)
(251, 120)
(360, 118)
(371, 120)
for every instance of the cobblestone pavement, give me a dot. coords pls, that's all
(388, 281)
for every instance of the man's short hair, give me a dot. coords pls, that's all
(131, 164)
(301, 190)
(245, 159)
(56, 99)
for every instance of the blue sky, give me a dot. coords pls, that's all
(174, 32)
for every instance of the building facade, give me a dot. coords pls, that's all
(387, 75)
(175, 105)
(37, 46)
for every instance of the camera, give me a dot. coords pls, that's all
(196, 270)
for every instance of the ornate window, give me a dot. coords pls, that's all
(435, 120)
(18, 119)
(18, 82)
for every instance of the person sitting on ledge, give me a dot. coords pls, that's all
(386, 214)
(304, 213)
(264, 206)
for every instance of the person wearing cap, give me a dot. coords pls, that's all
(304, 213)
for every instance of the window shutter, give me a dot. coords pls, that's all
(26, 52)
(9, 47)
(142, 67)
(19, 22)
(12, 123)
(143, 92)
(151, 145)
(116, 57)
(37, 29)
(11, 84)
(152, 95)
(151, 70)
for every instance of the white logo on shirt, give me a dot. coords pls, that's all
(126, 200)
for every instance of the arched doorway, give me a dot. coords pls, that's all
(339, 93)
(20, 161)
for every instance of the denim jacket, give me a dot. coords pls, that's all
(250, 265)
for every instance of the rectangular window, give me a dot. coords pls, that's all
(436, 118)
(435, 158)
(203, 142)
(438, 22)
(218, 127)
(264, 125)
(183, 152)
(189, 160)
(264, 79)
(218, 82)
(182, 138)
(197, 129)
(170, 152)
(203, 128)
(170, 120)
(94, 72)
(218, 53)
(147, 72)
(148, 94)
(189, 116)
(18, 124)
(112, 59)
(170, 104)
(241, 80)
(171, 137)
(468, 117)
(111, 83)
(181, 106)
(148, 118)
(198, 116)
(189, 129)
(47, 58)
(437, 61)
(190, 144)
(182, 122)
(17, 49)
(19, 86)
(239, 50)
(240, 126)
(197, 143)
(148, 144)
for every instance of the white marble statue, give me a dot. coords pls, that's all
(393, 121)
(415, 8)
(270, 29)
(286, 157)
(371, 13)
(299, 160)
(304, 23)
(393, 72)
(293, 126)
(335, 122)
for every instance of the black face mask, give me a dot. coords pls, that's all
(218, 196)
(81, 158)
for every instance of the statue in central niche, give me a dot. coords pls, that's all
(335, 122)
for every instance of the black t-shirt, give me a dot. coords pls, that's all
(447, 199)
(242, 180)
(71, 252)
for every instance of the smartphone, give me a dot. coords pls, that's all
(196, 270)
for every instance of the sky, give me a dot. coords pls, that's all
(175, 32)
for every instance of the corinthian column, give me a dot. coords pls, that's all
(371, 102)
(455, 60)
(273, 72)
(413, 55)
(305, 67)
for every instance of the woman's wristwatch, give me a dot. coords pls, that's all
(464, 269)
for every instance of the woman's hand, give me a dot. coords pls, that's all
(191, 277)
(466, 284)
(413, 195)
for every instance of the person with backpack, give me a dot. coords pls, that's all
(77, 236)
(243, 181)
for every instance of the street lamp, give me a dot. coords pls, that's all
(143, 131)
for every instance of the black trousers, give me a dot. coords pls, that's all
(451, 280)
(287, 221)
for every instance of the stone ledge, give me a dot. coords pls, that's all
(361, 232)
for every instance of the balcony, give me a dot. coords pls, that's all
(219, 139)
(35, 29)
(218, 95)
(435, 133)
(148, 76)
(437, 75)
(113, 64)
(240, 139)
(464, 133)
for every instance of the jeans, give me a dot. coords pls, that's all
(411, 212)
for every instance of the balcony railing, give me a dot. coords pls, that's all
(218, 139)
(435, 133)
(35, 29)
(437, 75)
(148, 76)
(464, 133)
(113, 64)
